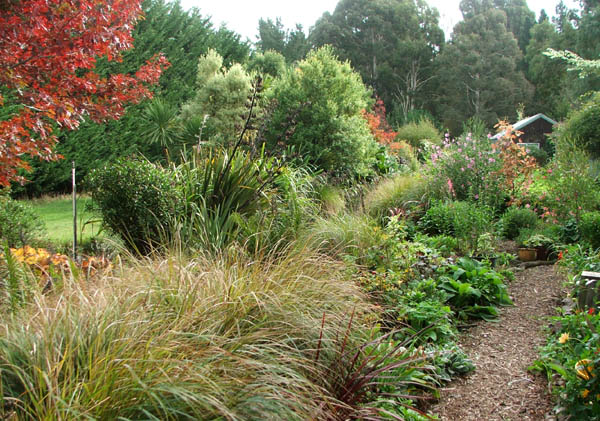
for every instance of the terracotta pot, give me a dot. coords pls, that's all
(527, 255)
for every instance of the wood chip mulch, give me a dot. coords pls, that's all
(501, 388)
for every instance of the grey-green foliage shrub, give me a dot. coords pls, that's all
(583, 125)
(589, 228)
(221, 94)
(540, 155)
(269, 63)
(19, 225)
(137, 200)
(324, 98)
(515, 219)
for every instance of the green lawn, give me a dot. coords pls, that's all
(57, 214)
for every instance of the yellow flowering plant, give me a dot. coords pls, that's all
(46, 265)
(573, 354)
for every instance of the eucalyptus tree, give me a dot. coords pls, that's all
(478, 72)
(391, 43)
(519, 18)
(548, 76)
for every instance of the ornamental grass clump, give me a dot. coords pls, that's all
(205, 338)
(342, 234)
(403, 191)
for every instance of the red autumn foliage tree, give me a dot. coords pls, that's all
(380, 129)
(48, 52)
(517, 165)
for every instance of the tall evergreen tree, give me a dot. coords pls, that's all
(271, 35)
(292, 44)
(548, 76)
(391, 43)
(478, 72)
(519, 18)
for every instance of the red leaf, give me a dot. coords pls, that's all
(44, 44)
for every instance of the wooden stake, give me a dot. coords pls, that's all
(74, 214)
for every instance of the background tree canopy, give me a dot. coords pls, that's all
(391, 43)
(183, 36)
(492, 64)
(478, 71)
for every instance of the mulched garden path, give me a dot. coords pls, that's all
(501, 388)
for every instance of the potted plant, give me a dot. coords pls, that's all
(527, 254)
(541, 244)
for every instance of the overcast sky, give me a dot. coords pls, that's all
(242, 16)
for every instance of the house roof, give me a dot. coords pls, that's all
(526, 122)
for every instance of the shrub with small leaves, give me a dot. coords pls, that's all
(137, 200)
(589, 228)
(438, 220)
(463, 220)
(516, 219)
(540, 155)
(19, 225)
